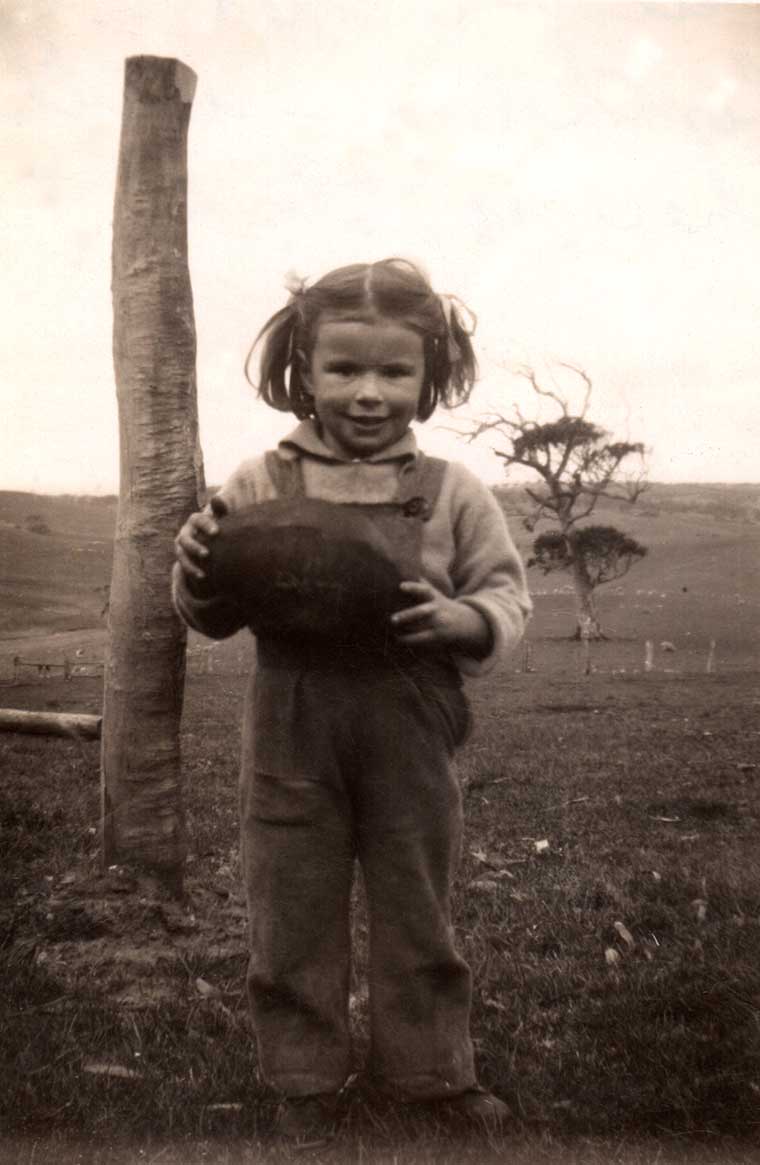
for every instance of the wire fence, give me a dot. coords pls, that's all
(66, 668)
(588, 656)
(232, 658)
(544, 655)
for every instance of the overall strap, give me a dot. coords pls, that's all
(420, 482)
(286, 474)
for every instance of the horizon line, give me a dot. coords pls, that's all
(84, 493)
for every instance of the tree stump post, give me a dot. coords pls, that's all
(586, 633)
(161, 469)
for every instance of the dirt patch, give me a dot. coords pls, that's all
(119, 934)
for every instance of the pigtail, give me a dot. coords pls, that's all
(461, 323)
(280, 384)
(450, 357)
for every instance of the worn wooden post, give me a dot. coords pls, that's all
(161, 472)
(586, 625)
(648, 655)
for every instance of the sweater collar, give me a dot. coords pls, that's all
(305, 438)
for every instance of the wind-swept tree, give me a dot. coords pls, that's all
(577, 465)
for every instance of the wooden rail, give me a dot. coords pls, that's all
(50, 723)
(68, 667)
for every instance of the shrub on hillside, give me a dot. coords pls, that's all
(36, 524)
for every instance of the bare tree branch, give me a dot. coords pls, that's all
(586, 380)
(529, 374)
(578, 465)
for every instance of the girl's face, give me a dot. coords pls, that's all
(366, 378)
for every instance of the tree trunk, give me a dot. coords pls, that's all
(161, 472)
(587, 626)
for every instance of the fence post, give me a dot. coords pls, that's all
(648, 655)
(142, 815)
(710, 666)
(586, 630)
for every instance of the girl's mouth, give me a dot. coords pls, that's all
(367, 422)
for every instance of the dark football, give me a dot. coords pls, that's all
(305, 568)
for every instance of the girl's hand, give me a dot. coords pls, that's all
(191, 544)
(436, 619)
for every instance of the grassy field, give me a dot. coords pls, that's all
(608, 899)
(55, 561)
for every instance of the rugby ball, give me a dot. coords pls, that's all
(309, 569)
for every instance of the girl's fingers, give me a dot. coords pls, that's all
(189, 565)
(414, 614)
(423, 608)
(195, 533)
(203, 524)
(417, 638)
(190, 544)
(423, 589)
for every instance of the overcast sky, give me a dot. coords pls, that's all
(586, 177)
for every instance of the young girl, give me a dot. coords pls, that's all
(347, 750)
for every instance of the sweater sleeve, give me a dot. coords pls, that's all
(487, 571)
(211, 614)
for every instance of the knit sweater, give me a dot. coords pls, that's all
(467, 551)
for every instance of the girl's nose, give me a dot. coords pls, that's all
(369, 388)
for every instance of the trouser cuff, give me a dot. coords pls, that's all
(302, 1084)
(413, 1089)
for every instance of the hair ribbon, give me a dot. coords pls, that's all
(294, 283)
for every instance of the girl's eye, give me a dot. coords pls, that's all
(342, 369)
(346, 369)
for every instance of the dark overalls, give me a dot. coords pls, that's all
(346, 755)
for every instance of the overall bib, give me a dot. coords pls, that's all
(346, 755)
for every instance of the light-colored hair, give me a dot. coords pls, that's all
(392, 289)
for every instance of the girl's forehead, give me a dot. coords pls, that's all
(367, 335)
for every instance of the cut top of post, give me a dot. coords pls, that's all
(154, 79)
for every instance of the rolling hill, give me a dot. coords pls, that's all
(699, 581)
(55, 561)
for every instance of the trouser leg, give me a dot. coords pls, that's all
(297, 853)
(409, 835)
